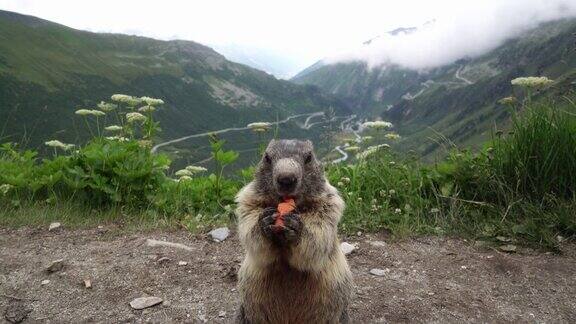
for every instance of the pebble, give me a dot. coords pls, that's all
(182, 263)
(54, 226)
(45, 282)
(379, 272)
(222, 314)
(508, 248)
(163, 260)
(145, 302)
(88, 283)
(347, 248)
(378, 243)
(56, 266)
(219, 234)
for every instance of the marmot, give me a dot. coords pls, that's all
(295, 274)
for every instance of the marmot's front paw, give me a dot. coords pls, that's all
(266, 222)
(292, 229)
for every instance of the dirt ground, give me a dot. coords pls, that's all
(426, 280)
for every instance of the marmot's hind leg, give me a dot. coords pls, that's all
(241, 318)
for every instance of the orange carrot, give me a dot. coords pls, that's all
(284, 208)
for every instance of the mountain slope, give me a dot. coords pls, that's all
(457, 100)
(48, 70)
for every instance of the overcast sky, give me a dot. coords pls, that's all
(306, 30)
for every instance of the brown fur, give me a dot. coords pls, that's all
(306, 282)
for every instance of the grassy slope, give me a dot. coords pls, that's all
(48, 70)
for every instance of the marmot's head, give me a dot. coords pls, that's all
(289, 168)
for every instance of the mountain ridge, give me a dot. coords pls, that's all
(48, 70)
(458, 99)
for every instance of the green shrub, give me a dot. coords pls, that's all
(382, 191)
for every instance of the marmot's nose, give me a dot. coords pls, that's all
(286, 181)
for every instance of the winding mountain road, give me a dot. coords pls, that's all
(231, 129)
(461, 78)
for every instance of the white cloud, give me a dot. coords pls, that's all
(464, 31)
(305, 30)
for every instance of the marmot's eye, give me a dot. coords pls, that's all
(267, 158)
(308, 158)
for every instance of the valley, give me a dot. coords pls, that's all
(457, 103)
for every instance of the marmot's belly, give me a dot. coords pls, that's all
(284, 295)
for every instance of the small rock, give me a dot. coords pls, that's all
(347, 248)
(463, 267)
(163, 260)
(510, 248)
(219, 234)
(45, 282)
(88, 283)
(379, 272)
(145, 302)
(222, 314)
(182, 263)
(55, 266)
(503, 239)
(54, 226)
(377, 243)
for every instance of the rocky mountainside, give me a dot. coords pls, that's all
(47, 71)
(456, 100)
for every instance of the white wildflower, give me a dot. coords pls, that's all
(83, 112)
(183, 173)
(259, 126)
(58, 144)
(391, 192)
(4, 188)
(113, 128)
(434, 210)
(185, 178)
(145, 143)
(531, 82)
(196, 169)
(98, 113)
(392, 163)
(366, 138)
(397, 211)
(133, 117)
(371, 150)
(379, 124)
(117, 138)
(340, 184)
(146, 109)
(106, 107)
(152, 101)
(392, 136)
(86, 112)
(345, 179)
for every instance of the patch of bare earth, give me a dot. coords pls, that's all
(424, 280)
